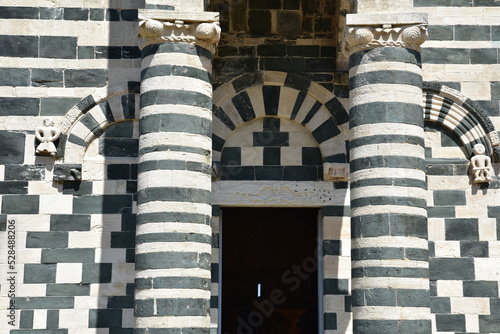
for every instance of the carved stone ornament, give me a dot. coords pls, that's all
(481, 168)
(47, 135)
(336, 172)
(206, 35)
(360, 38)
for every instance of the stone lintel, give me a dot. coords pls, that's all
(381, 19)
(172, 16)
(367, 31)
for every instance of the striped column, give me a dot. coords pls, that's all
(173, 239)
(390, 275)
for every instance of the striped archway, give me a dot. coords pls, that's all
(89, 117)
(281, 95)
(460, 115)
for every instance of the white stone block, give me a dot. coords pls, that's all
(91, 302)
(128, 320)
(31, 290)
(334, 303)
(69, 273)
(450, 288)
(89, 239)
(108, 289)
(39, 319)
(466, 305)
(107, 255)
(487, 269)
(447, 249)
(436, 229)
(337, 267)
(336, 228)
(123, 273)
(472, 323)
(106, 222)
(73, 318)
(487, 230)
(56, 204)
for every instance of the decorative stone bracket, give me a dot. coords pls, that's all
(366, 31)
(200, 28)
(336, 172)
(480, 165)
(64, 173)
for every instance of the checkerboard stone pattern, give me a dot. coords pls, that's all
(271, 148)
(76, 240)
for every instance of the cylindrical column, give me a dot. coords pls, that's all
(173, 239)
(390, 276)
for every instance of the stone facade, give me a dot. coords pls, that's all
(129, 126)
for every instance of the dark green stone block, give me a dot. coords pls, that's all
(168, 260)
(484, 56)
(76, 14)
(449, 197)
(446, 55)
(25, 172)
(70, 222)
(58, 47)
(450, 322)
(122, 239)
(51, 13)
(474, 248)
(85, 78)
(480, 289)
(48, 77)
(461, 229)
(47, 240)
(14, 187)
(18, 46)
(26, 320)
(74, 255)
(182, 307)
(52, 319)
(86, 52)
(413, 298)
(105, 318)
(441, 212)
(45, 303)
(96, 273)
(101, 203)
(40, 273)
(120, 302)
(489, 323)
(14, 77)
(440, 305)
(472, 33)
(451, 269)
(20, 204)
(57, 106)
(68, 290)
(19, 106)
(440, 33)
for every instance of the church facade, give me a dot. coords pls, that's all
(249, 166)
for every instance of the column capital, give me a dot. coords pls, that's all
(366, 31)
(159, 26)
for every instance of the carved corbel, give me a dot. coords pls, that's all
(337, 172)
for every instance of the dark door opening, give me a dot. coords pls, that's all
(269, 271)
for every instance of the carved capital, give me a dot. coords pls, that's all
(366, 31)
(199, 29)
(361, 38)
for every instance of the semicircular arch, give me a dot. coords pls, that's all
(460, 115)
(282, 95)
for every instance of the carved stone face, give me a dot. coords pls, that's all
(478, 149)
